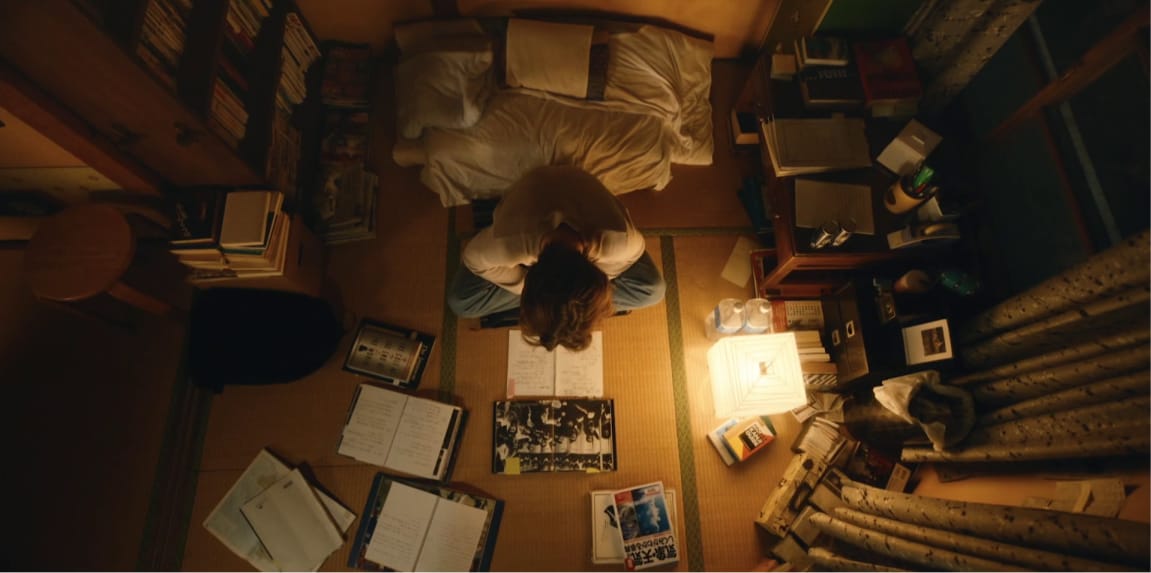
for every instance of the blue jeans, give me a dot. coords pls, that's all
(470, 296)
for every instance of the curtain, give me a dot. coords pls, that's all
(879, 530)
(1061, 370)
(952, 39)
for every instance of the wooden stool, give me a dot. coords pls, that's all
(83, 252)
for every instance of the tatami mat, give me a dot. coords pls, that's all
(654, 368)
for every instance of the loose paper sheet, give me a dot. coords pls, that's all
(738, 268)
(533, 371)
(292, 524)
(227, 522)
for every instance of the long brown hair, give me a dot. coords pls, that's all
(564, 298)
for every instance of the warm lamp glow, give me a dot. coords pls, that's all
(756, 375)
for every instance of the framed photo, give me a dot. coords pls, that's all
(389, 353)
(927, 342)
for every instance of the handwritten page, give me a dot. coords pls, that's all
(580, 373)
(371, 429)
(419, 442)
(531, 369)
(228, 524)
(292, 524)
(452, 538)
(401, 528)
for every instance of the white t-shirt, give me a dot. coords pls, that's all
(542, 200)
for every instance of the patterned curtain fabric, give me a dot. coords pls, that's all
(879, 530)
(952, 40)
(1061, 370)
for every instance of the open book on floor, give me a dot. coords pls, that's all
(533, 371)
(556, 435)
(262, 545)
(402, 433)
(415, 526)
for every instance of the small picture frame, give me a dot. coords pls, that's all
(927, 342)
(389, 353)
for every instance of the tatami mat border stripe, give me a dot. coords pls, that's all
(450, 322)
(693, 539)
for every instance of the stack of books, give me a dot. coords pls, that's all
(229, 114)
(814, 361)
(297, 56)
(815, 145)
(739, 438)
(243, 235)
(282, 163)
(889, 77)
(347, 76)
(162, 38)
(344, 204)
(826, 78)
(821, 51)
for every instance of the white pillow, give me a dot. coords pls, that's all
(548, 56)
(441, 89)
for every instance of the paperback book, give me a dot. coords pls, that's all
(556, 435)
(645, 527)
(738, 438)
(606, 542)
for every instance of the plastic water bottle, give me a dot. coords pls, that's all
(758, 316)
(726, 319)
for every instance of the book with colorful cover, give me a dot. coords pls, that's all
(737, 439)
(645, 527)
(606, 543)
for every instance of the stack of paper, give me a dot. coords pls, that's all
(799, 146)
(276, 520)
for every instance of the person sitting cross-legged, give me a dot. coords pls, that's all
(564, 251)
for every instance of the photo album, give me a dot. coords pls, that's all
(559, 435)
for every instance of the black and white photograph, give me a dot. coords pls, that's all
(532, 436)
(927, 342)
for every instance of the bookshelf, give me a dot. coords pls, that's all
(103, 68)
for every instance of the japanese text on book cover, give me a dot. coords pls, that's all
(645, 526)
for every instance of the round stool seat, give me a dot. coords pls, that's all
(79, 253)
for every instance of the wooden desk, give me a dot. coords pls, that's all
(801, 271)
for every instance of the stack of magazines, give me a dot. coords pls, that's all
(162, 38)
(229, 113)
(344, 202)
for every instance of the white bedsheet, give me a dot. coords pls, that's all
(656, 112)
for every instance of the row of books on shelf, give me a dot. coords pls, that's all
(162, 38)
(298, 54)
(228, 110)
